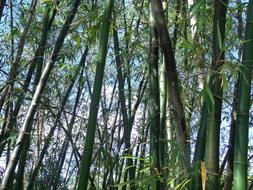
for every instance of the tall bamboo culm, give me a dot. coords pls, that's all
(240, 180)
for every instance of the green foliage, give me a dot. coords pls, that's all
(196, 6)
(193, 56)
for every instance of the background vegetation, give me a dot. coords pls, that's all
(126, 94)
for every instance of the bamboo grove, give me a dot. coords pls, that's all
(126, 94)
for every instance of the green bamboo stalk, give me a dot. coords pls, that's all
(207, 144)
(215, 85)
(242, 125)
(173, 87)
(37, 60)
(27, 125)
(92, 121)
(126, 122)
(154, 112)
(230, 152)
(16, 61)
(199, 153)
(37, 166)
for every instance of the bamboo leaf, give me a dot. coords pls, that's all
(78, 41)
(203, 175)
(219, 37)
(195, 7)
